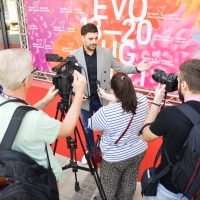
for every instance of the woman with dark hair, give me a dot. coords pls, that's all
(122, 149)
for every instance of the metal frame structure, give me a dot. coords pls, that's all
(44, 76)
(47, 76)
(3, 27)
(171, 99)
(23, 34)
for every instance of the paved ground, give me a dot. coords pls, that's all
(88, 189)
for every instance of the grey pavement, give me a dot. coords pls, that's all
(88, 189)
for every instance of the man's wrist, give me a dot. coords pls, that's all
(156, 104)
(78, 95)
(136, 69)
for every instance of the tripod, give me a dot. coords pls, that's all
(63, 106)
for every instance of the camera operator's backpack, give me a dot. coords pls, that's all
(186, 171)
(25, 179)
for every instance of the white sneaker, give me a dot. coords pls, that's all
(83, 160)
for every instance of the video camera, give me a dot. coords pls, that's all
(170, 80)
(64, 77)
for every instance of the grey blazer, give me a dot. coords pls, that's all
(105, 61)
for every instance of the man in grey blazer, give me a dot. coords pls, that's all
(97, 63)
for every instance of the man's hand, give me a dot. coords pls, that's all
(51, 94)
(159, 93)
(73, 113)
(40, 105)
(147, 135)
(84, 97)
(79, 83)
(143, 65)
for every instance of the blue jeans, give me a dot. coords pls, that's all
(95, 104)
(164, 194)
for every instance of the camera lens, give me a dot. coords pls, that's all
(159, 76)
(170, 80)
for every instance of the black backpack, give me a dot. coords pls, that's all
(186, 171)
(25, 178)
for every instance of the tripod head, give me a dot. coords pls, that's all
(65, 104)
(71, 143)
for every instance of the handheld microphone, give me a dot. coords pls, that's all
(98, 84)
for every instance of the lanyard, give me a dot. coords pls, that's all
(12, 99)
(7, 96)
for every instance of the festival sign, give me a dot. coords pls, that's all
(164, 32)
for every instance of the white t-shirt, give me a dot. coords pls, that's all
(112, 121)
(37, 128)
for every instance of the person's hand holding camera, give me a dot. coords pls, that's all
(79, 83)
(71, 119)
(51, 94)
(153, 111)
(40, 105)
(159, 94)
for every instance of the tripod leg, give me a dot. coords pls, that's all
(74, 169)
(77, 186)
(71, 144)
(62, 108)
(92, 165)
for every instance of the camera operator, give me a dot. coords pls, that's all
(97, 62)
(172, 124)
(120, 121)
(37, 128)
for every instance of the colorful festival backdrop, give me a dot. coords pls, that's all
(166, 32)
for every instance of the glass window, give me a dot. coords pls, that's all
(11, 21)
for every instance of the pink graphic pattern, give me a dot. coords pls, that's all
(54, 27)
(177, 46)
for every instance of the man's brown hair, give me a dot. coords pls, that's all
(88, 28)
(190, 73)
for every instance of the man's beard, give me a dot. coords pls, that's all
(181, 97)
(89, 48)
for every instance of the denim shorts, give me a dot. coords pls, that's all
(164, 194)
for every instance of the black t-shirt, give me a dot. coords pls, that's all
(175, 127)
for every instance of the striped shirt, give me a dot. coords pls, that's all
(112, 121)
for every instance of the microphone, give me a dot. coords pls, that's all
(98, 84)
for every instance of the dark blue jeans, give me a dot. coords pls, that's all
(95, 104)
